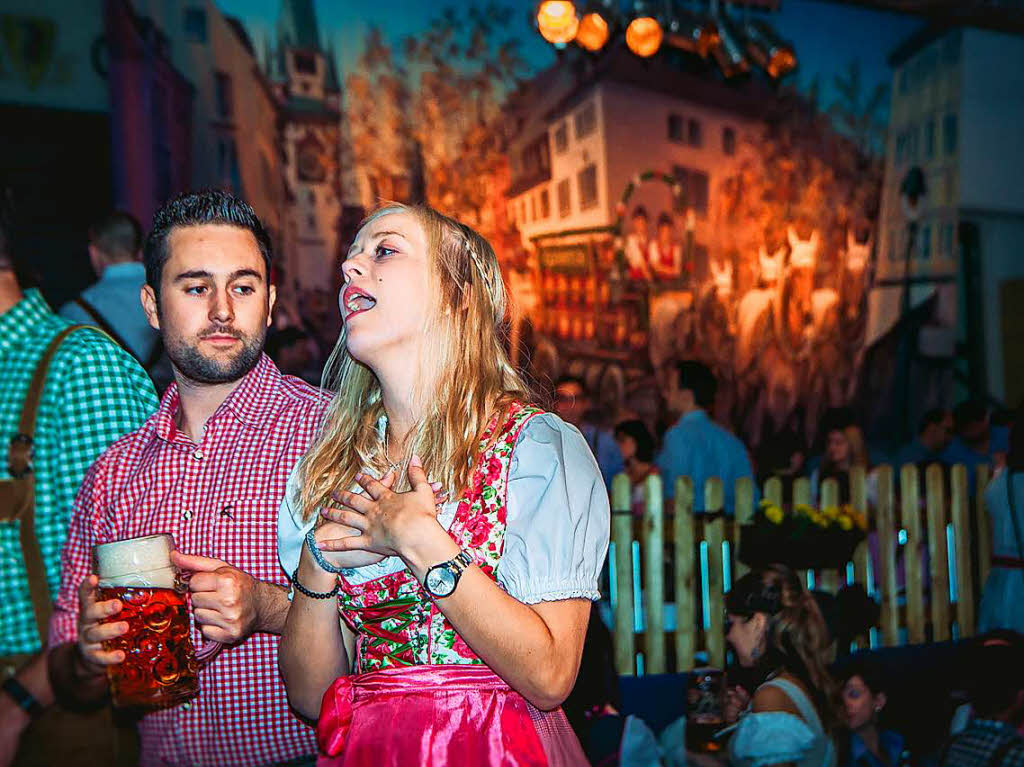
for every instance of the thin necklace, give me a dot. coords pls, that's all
(387, 460)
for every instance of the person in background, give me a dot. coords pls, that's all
(573, 405)
(112, 304)
(665, 253)
(863, 743)
(593, 707)
(1002, 598)
(996, 689)
(776, 629)
(844, 449)
(637, 448)
(637, 243)
(933, 437)
(971, 445)
(92, 393)
(697, 447)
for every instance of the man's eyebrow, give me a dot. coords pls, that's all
(383, 233)
(202, 274)
(193, 274)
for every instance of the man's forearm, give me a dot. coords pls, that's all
(273, 607)
(72, 681)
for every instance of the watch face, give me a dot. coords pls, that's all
(440, 581)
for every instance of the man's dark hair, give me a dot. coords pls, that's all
(968, 412)
(636, 429)
(933, 417)
(210, 206)
(117, 235)
(996, 661)
(698, 378)
(867, 669)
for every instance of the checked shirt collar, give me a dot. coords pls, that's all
(22, 320)
(249, 403)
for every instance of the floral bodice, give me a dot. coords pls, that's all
(395, 620)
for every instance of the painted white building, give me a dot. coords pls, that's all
(588, 137)
(235, 141)
(306, 82)
(956, 113)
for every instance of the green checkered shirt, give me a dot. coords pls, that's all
(94, 393)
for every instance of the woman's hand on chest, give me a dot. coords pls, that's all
(388, 523)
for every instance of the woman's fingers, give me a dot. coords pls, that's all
(346, 517)
(353, 500)
(352, 543)
(373, 487)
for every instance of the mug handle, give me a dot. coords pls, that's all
(211, 648)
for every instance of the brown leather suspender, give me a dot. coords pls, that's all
(18, 503)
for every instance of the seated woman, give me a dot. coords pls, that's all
(462, 623)
(863, 743)
(776, 629)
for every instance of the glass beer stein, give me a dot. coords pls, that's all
(705, 709)
(161, 665)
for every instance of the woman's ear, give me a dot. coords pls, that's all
(880, 700)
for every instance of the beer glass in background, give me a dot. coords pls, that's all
(705, 709)
(160, 666)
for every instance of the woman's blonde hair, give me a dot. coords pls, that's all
(797, 639)
(464, 381)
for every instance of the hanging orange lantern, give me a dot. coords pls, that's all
(593, 32)
(643, 36)
(557, 21)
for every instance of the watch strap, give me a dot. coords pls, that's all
(313, 594)
(19, 694)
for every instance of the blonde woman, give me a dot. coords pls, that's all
(462, 621)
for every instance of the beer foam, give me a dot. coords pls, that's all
(139, 562)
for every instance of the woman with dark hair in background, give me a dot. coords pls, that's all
(863, 743)
(637, 447)
(1002, 600)
(776, 629)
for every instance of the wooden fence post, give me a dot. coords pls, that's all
(686, 583)
(830, 497)
(961, 508)
(622, 535)
(937, 552)
(859, 502)
(773, 491)
(802, 496)
(714, 534)
(744, 516)
(887, 551)
(653, 548)
(910, 516)
(984, 531)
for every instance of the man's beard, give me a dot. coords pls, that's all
(194, 365)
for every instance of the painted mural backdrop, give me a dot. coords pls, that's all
(774, 302)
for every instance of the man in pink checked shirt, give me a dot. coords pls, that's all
(210, 468)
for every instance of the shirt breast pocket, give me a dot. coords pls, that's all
(245, 535)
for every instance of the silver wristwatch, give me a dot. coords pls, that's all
(442, 579)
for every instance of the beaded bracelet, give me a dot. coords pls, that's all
(318, 556)
(313, 594)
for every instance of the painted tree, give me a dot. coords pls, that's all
(463, 64)
(376, 112)
(860, 114)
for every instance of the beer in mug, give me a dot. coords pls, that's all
(160, 667)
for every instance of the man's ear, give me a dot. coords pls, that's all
(271, 300)
(149, 305)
